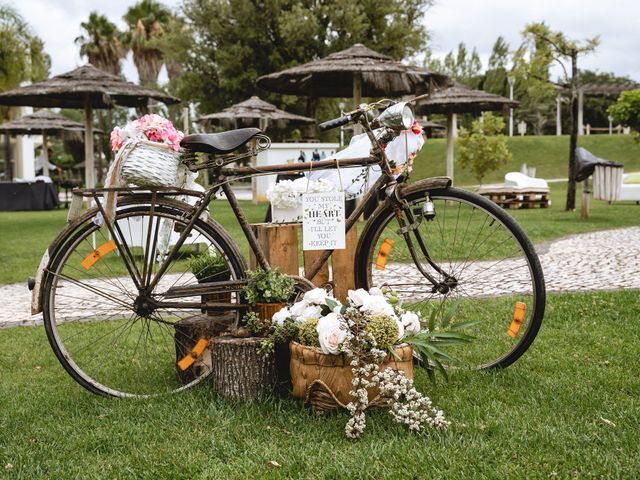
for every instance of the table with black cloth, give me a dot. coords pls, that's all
(15, 196)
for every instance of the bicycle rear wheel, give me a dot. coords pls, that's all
(485, 267)
(107, 334)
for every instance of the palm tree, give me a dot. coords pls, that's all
(101, 43)
(147, 21)
(22, 55)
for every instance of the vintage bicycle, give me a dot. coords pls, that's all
(114, 295)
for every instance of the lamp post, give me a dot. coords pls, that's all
(610, 118)
(512, 80)
(559, 115)
(341, 105)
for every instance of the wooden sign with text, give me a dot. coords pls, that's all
(323, 221)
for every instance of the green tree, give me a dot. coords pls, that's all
(483, 148)
(147, 22)
(626, 110)
(459, 64)
(556, 47)
(233, 42)
(22, 55)
(495, 78)
(101, 43)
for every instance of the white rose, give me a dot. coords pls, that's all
(327, 321)
(312, 311)
(298, 308)
(317, 296)
(330, 335)
(281, 315)
(375, 291)
(358, 297)
(411, 322)
(376, 305)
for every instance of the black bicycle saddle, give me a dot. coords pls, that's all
(224, 142)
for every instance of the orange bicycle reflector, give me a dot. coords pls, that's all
(195, 352)
(385, 248)
(97, 254)
(518, 318)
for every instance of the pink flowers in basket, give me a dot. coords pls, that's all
(154, 128)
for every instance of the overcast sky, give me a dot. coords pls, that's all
(474, 22)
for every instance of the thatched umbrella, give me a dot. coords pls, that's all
(255, 108)
(42, 123)
(357, 71)
(460, 99)
(85, 87)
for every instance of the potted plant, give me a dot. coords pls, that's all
(267, 291)
(209, 268)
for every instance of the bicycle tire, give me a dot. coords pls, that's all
(99, 319)
(492, 301)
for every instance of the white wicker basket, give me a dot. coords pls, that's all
(151, 164)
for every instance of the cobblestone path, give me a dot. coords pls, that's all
(605, 260)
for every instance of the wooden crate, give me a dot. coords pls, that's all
(281, 247)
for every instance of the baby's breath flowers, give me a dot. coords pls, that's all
(406, 404)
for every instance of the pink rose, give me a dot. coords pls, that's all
(116, 139)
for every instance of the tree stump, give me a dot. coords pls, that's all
(239, 370)
(187, 334)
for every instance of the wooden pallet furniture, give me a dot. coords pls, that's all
(516, 197)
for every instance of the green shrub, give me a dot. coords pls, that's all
(626, 110)
(483, 149)
(205, 266)
(268, 286)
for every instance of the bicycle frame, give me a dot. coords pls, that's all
(223, 183)
(145, 281)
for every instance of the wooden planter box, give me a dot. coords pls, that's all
(324, 381)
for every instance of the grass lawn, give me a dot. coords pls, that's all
(549, 154)
(567, 409)
(25, 235)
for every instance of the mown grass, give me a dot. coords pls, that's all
(567, 409)
(25, 235)
(549, 154)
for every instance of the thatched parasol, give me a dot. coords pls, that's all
(356, 71)
(85, 87)
(42, 123)
(460, 99)
(255, 108)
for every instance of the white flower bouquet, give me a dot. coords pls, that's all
(359, 354)
(286, 197)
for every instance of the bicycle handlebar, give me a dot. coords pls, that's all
(335, 123)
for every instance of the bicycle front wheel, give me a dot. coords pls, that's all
(485, 271)
(101, 316)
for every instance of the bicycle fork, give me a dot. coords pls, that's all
(401, 209)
